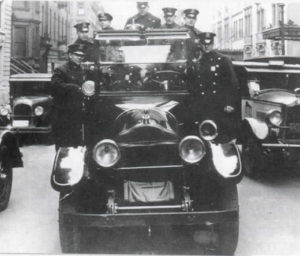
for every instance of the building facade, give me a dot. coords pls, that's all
(255, 28)
(5, 53)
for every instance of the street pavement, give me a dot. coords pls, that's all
(269, 211)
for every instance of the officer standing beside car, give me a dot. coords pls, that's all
(214, 87)
(169, 15)
(82, 30)
(67, 98)
(143, 19)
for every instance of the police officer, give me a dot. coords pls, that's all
(169, 15)
(105, 21)
(82, 30)
(214, 87)
(67, 98)
(143, 18)
(193, 45)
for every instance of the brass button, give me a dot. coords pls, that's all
(214, 91)
(214, 83)
(202, 93)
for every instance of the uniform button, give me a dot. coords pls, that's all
(214, 83)
(202, 93)
(130, 74)
(200, 85)
(219, 58)
(211, 59)
(198, 76)
(216, 74)
(214, 91)
(217, 66)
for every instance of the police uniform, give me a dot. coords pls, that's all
(193, 44)
(214, 85)
(146, 21)
(170, 12)
(91, 50)
(67, 101)
(105, 16)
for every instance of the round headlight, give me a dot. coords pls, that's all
(3, 111)
(275, 118)
(88, 88)
(39, 110)
(208, 130)
(191, 149)
(106, 153)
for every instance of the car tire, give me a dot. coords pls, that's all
(69, 235)
(5, 187)
(253, 158)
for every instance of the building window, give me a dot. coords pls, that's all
(274, 16)
(37, 6)
(80, 8)
(220, 36)
(0, 13)
(21, 5)
(19, 42)
(50, 23)
(241, 28)
(226, 30)
(248, 24)
(54, 26)
(260, 20)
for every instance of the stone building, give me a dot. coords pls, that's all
(5, 39)
(255, 28)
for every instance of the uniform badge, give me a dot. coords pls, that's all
(212, 68)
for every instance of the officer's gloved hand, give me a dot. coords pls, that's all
(228, 109)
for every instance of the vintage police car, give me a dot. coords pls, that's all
(30, 105)
(270, 112)
(144, 167)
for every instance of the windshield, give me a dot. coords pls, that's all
(30, 89)
(142, 62)
(288, 81)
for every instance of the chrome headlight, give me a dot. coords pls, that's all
(88, 88)
(3, 111)
(191, 149)
(39, 110)
(208, 130)
(106, 153)
(274, 118)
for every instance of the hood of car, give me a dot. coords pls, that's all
(285, 97)
(31, 100)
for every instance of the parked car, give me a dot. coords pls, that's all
(143, 164)
(30, 105)
(10, 157)
(270, 112)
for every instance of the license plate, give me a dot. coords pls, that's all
(20, 123)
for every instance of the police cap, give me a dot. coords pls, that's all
(169, 11)
(206, 37)
(82, 27)
(191, 13)
(142, 5)
(77, 49)
(104, 16)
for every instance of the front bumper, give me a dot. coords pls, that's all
(28, 129)
(280, 145)
(150, 219)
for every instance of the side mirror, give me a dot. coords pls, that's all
(253, 87)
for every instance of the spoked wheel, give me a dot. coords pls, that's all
(6, 178)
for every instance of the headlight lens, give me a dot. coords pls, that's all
(208, 130)
(3, 111)
(39, 110)
(88, 88)
(106, 153)
(191, 149)
(275, 118)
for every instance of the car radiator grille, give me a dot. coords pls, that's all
(161, 155)
(293, 122)
(22, 110)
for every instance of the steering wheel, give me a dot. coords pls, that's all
(164, 79)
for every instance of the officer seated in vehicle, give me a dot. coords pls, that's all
(214, 86)
(105, 21)
(67, 99)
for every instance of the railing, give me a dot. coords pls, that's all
(18, 66)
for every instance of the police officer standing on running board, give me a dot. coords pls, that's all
(169, 15)
(214, 86)
(67, 98)
(143, 19)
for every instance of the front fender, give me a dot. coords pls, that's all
(68, 168)
(10, 154)
(226, 161)
(259, 129)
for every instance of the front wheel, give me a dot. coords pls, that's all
(6, 177)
